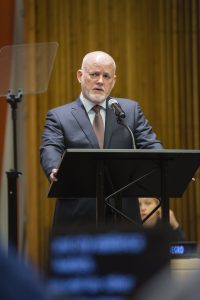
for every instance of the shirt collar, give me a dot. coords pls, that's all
(89, 105)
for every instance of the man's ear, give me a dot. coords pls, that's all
(79, 75)
(114, 80)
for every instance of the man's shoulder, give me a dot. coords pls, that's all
(65, 107)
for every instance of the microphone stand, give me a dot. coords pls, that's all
(120, 121)
(118, 199)
(13, 175)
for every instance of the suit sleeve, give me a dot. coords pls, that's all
(53, 144)
(145, 137)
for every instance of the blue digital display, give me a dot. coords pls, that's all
(177, 250)
(100, 244)
(103, 265)
(184, 249)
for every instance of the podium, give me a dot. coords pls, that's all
(106, 173)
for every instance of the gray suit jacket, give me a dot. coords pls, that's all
(68, 126)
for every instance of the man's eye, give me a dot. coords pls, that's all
(94, 75)
(106, 76)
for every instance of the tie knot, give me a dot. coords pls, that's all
(96, 108)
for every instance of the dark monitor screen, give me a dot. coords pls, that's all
(104, 263)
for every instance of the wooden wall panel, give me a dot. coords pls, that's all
(156, 46)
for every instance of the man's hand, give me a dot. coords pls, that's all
(53, 175)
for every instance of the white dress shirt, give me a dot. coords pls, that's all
(88, 107)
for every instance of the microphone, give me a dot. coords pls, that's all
(114, 105)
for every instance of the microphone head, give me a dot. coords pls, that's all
(113, 104)
(112, 101)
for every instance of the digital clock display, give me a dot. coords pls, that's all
(184, 249)
(177, 250)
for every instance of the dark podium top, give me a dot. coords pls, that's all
(140, 173)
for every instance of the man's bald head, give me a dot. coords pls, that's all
(97, 57)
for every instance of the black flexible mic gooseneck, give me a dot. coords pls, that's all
(120, 114)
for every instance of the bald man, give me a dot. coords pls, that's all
(71, 126)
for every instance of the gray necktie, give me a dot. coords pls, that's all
(98, 125)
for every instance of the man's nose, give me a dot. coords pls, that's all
(100, 79)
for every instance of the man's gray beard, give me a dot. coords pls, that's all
(97, 98)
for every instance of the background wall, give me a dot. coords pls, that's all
(156, 47)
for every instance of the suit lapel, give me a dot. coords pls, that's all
(79, 113)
